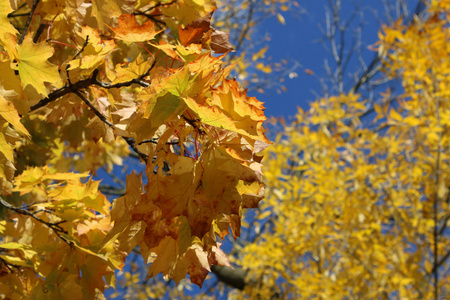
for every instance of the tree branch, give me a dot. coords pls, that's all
(129, 140)
(27, 24)
(233, 277)
(160, 4)
(82, 84)
(56, 227)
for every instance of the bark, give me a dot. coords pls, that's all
(233, 277)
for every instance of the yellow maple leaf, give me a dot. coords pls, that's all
(33, 67)
(6, 148)
(9, 113)
(127, 72)
(7, 31)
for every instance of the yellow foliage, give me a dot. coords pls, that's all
(353, 203)
(83, 85)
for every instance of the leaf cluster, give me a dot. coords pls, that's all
(84, 83)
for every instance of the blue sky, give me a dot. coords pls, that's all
(297, 40)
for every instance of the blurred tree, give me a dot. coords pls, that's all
(357, 205)
(83, 84)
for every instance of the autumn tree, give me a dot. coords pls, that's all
(85, 83)
(357, 204)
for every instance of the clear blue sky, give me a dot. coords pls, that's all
(298, 41)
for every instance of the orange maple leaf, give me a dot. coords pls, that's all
(130, 31)
(194, 31)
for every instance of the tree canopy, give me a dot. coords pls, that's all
(84, 84)
(357, 204)
(356, 188)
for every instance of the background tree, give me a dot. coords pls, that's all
(357, 204)
(84, 83)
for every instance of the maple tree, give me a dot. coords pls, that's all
(84, 84)
(357, 198)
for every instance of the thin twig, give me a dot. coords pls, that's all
(82, 84)
(245, 31)
(13, 15)
(86, 41)
(27, 24)
(57, 229)
(67, 89)
(93, 109)
(129, 140)
(440, 262)
(160, 4)
(155, 141)
(132, 144)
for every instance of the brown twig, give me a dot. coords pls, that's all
(82, 84)
(160, 4)
(155, 141)
(129, 140)
(39, 32)
(86, 41)
(56, 227)
(27, 24)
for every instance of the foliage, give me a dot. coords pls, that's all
(82, 85)
(358, 190)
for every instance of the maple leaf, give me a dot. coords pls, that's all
(200, 30)
(220, 42)
(105, 10)
(7, 31)
(33, 67)
(246, 119)
(6, 148)
(193, 32)
(168, 49)
(129, 30)
(127, 72)
(9, 113)
(165, 261)
(95, 52)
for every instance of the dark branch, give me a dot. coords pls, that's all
(132, 144)
(38, 33)
(56, 227)
(233, 277)
(82, 84)
(94, 110)
(129, 140)
(160, 4)
(155, 141)
(27, 24)
(13, 14)
(375, 66)
(111, 190)
(67, 89)
(440, 262)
